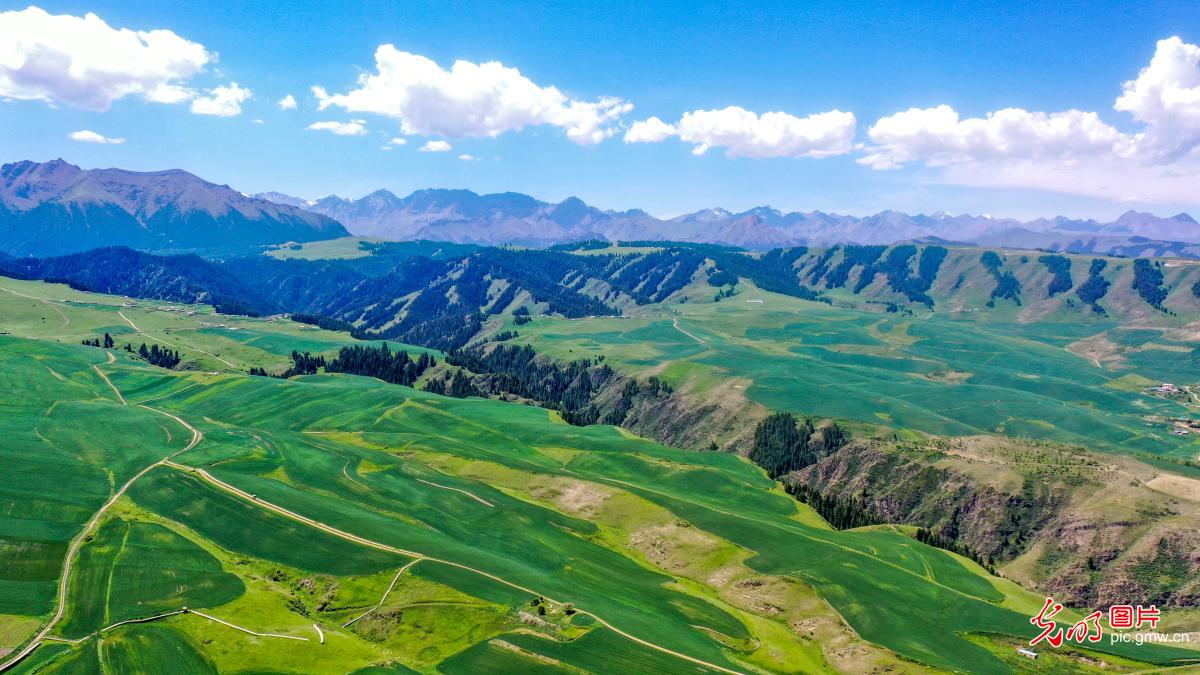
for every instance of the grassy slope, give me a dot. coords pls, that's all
(379, 460)
(878, 580)
(930, 373)
(206, 340)
(329, 249)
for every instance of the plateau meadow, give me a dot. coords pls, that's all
(216, 521)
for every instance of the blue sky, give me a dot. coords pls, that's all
(1059, 68)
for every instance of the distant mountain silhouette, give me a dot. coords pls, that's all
(466, 217)
(55, 207)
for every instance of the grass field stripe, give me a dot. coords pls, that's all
(384, 547)
(848, 549)
(180, 391)
(77, 542)
(291, 514)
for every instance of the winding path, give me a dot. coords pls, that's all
(68, 561)
(254, 499)
(675, 322)
(197, 437)
(172, 344)
(386, 593)
(53, 305)
(481, 500)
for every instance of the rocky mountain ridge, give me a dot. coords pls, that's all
(55, 207)
(512, 218)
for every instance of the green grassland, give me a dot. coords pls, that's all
(342, 248)
(206, 340)
(930, 372)
(360, 247)
(664, 554)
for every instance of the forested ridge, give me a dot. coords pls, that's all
(783, 444)
(1007, 285)
(1095, 287)
(1147, 281)
(446, 301)
(1060, 267)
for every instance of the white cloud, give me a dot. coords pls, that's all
(937, 137)
(398, 141)
(1166, 98)
(85, 63)
(773, 134)
(468, 158)
(1116, 179)
(470, 100)
(1070, 152)
(351, 128)
(87, 136)
(258, 120)
(436, 146)
(649, 130)
(223, 101)
(287, 102)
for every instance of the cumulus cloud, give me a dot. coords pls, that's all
(773, 134)
(88, 136)
(937, 136)
(223, 101)
(85, 63)
(398, 141)
(287, 102)
(468, 158)
(351, 128)
(470, 100)
(1073, 151)
(436, 146)
(1166, 98)
(649, 130)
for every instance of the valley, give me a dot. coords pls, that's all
(743, 577)
(470, 338)
(563, 481)
(387, 484)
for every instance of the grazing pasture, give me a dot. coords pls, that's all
(330, 523)
(206, 340)
(938, 374)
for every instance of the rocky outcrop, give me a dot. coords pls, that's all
(1082, 527)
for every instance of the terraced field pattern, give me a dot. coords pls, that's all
(211, 521)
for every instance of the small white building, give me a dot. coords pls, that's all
(1027, 653)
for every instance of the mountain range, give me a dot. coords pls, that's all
(55, 207)
(463, 216)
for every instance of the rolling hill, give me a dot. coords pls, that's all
(328, 523)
